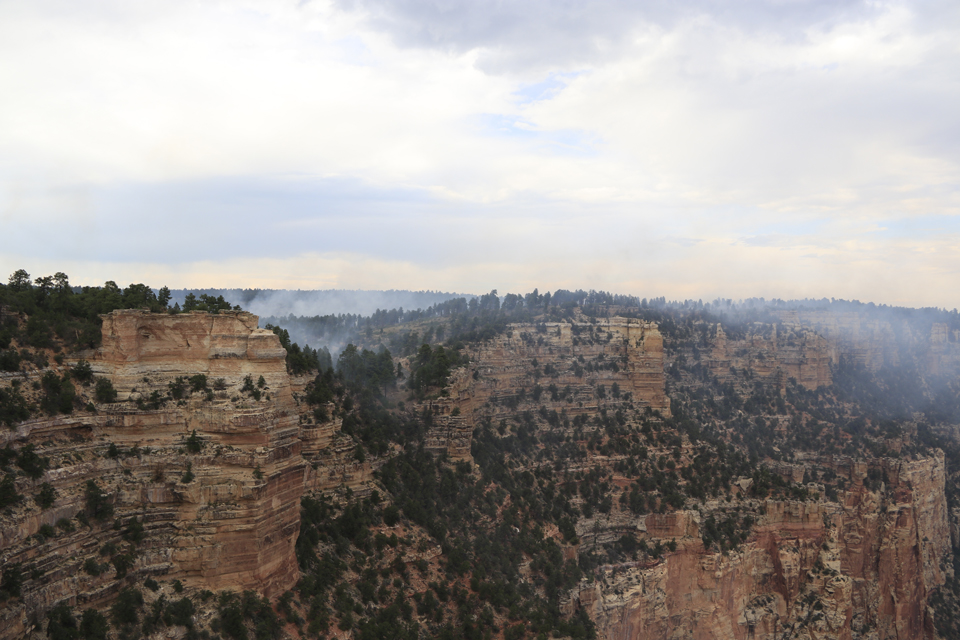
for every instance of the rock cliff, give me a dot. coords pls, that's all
(203, 486)
(873, 342)
(773, 355)
(860, 567)
(571, 367)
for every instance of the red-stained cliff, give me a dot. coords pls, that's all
(862, 566)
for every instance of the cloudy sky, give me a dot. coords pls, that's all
(786, 148)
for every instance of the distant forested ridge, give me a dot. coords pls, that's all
(283, 302)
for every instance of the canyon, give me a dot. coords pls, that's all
(209, 447)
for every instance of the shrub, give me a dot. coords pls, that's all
(104, 391)
(10, 582)
(10, 360)
(134, 532)
(180, 613)
(82, 372)
(46, 496)
(92, 567)
(391, 516)
(194, 443)
(13, 407)
(98, 506)
(198, 382)
(8, 492)
(33, 465)
(122, 563)
(126, 608)
(94, 625)
(58, 394)
(61, 624)
(178, 387)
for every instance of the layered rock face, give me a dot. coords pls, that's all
(773, 354)
(562, 366)
(233, 524)
(621, 351)
(874, 343)
(137, 344)
(859, 567)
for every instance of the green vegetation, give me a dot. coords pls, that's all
(46, 496)
(98, 505)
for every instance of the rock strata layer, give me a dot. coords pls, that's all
(860, 567)
(214, 477)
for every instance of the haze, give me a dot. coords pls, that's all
(694, 150)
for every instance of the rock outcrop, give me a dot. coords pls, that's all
(213, 477)
(860, 567)
(772, 355)
(873, 343)
(572, 367)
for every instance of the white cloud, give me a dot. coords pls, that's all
(128, 132)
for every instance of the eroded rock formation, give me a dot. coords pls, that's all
(772, 355)
(232, 525)
(808, 569)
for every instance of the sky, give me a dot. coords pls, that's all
(703, 149)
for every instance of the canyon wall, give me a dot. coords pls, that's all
(771, 354)
(617, 360)
(874, 343)
(861, 567)
(233, 524)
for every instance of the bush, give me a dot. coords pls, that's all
(8, 492)
(391, 516)
(194, 443)
(104, 391)
(178, 388)
(92, 567)
(126, 608)
(134, 532)
(198, 382)
(180, 613)
(61, 624)
(82, 372)
(10, 582)
(46, 496)
(231, 622)
(94, 625)
(59, 394)
(98, 505)
(10, 360)
(13, 407)
(33, 465)
(122, 564)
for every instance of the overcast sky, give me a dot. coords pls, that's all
(692, 150)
